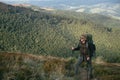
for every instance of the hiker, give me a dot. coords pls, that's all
(87, 50)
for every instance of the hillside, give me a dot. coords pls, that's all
(17, 66)
(41, 32)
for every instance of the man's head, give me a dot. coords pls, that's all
(83, 39)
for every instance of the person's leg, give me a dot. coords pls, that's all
(79, 61)
(89, 64)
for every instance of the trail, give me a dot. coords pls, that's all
(110, 71)
(83, 75)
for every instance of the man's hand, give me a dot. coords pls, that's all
(72, 48)
(88, 58)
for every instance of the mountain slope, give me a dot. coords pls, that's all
(40, 32)
(104, 7)
(108, 9)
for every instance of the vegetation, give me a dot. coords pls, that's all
(51, 33)
(17, 66)
(24, 32)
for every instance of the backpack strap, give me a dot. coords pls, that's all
(92, 49)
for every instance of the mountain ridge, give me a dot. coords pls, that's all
(48, 33)
(107, 9)
(103, 6)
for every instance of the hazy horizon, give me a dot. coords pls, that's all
(69, 2)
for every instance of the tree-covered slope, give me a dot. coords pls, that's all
(41, 32)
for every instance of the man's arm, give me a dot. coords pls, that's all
(77, 48)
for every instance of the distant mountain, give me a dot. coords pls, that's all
(105, 7)
(59, 2)
(108, 9)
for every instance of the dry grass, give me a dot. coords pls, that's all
(17, 66)
(27, 66)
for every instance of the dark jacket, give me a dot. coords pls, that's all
(87, 49)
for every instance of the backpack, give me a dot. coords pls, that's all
(91, 44)
(89, 38)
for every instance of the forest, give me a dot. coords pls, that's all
(53, 33)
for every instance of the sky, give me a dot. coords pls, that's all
(82, 1)
(26, 0)
(58, 3)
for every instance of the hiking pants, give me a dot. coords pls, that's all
(79, 62)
